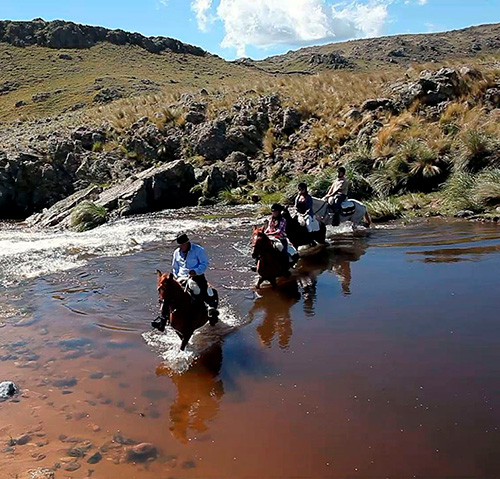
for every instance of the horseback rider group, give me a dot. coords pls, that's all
(190, 261)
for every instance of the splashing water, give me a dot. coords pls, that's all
(27, 253)
(167, 344)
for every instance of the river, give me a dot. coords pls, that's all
(379, 358)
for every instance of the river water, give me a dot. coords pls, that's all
(379, 358)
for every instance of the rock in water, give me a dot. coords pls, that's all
(7, 390)
(142, 452)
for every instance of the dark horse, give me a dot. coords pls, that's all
(298, 234)
(271, 263)
(180, 309)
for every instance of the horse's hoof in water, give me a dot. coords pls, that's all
(253, 268)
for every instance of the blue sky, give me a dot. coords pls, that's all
(259, 28)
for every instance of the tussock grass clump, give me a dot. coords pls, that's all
(235, 196)
(86, 216)
(385, 209)
(486, 189)
(457, 192)
(476, 147)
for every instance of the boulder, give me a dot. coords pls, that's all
(141, 452)
(88, 136)
(464, 214)
(194, 117)
(167, 186)
(353, 115)
(373, 104)
(492, 97)
(241, 164)
(431, 89)
(291, 120)
(214, 183)
(245, 139)
(209, 140)
(107, 95)
(7, 390)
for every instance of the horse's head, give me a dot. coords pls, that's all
(166, 285)
(259, 240)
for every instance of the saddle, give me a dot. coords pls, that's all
(348, 207)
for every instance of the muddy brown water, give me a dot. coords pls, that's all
(379, 358)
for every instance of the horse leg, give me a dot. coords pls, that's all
(186, 336)
(261, 279)
(184, 344)
(273, 282)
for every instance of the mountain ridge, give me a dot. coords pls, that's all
(62, 34)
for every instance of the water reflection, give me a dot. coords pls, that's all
(199, 391)
(338, 259)
(275, 305)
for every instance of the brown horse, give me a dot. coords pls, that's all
(271, 263)
(179, 309)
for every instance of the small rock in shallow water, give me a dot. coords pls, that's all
(64, 382)
(7, 390)
(72, 466)
(464, 214)
(23, 439)
(141, 453)
(124, 441)
(95, 458)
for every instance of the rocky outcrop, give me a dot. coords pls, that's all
(28, 182)
(333, 60)
(59, 213)
(430, 89)
(167, 186)
(61, 34)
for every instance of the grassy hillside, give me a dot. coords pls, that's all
(66, 79)
(473, 42)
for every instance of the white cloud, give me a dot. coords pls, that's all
(201, 9)
(264, 23)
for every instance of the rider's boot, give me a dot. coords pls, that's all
(159, 323)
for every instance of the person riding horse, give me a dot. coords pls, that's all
(337, 194)
(304, 201)
(189, 263)
(276, 230)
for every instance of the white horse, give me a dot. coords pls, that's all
(351, 210)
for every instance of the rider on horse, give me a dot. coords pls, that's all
(337, 194)
(189, 263)
(304, 201)
(276, 230)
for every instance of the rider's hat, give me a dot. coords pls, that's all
(182, 238)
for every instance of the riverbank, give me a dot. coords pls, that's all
(432, 132)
